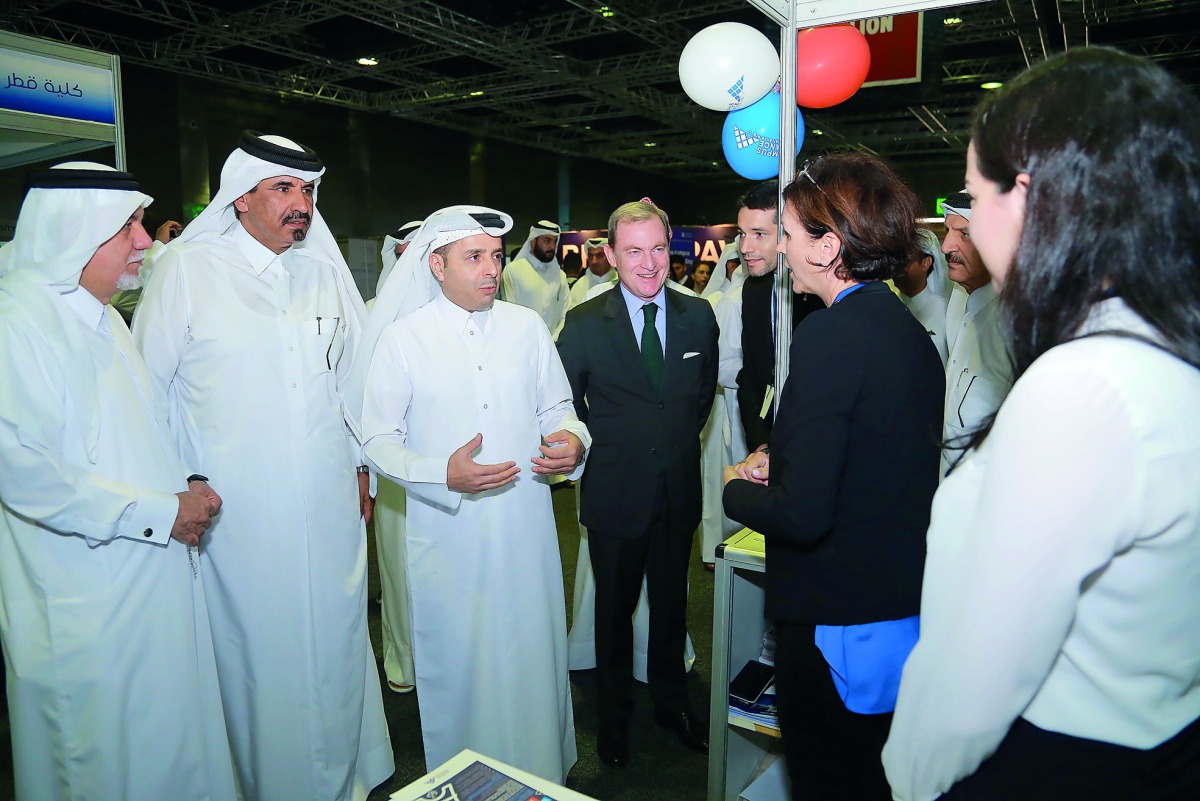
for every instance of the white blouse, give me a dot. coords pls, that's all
(1063, 566)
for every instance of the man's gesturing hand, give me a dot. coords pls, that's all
(464, 475)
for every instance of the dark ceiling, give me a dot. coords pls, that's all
(591, 79)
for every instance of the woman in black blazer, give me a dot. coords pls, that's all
(852, 470)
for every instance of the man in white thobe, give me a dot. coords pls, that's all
(467, 406)
(925, 289)
(534, 280)
(979, 369)
(396, 626)
(722, 442)
(394, 245)
(599, 272)
(112, 684)
(249, 322)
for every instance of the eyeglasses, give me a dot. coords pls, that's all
(812, 164)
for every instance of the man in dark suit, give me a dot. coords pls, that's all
(758, 224)
(646, 403)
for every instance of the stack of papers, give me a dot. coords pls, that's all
(762, 712)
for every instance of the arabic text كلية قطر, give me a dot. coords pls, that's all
(62, 90)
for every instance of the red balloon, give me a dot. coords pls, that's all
(831, 64)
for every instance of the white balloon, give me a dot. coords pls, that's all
(728, 66)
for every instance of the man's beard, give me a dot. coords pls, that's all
(543, 255)
(128, 283)
(298, 234)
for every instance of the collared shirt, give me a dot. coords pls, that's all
(259, 255)
(89, 309)
(637, 317)
(466, 323)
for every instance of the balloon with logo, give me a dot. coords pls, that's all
(831, 64)
(728, 66)
(750, 138)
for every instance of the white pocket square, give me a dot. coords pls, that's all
(690, 355)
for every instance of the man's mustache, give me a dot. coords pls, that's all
(298, 216)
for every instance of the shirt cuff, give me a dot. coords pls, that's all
(151, 517)
(427, 481)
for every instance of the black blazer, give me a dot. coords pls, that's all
(643, 441)
(758, 353)
(854, 465)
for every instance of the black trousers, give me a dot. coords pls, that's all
(661, 555)
(1033, 764)
(831, 752)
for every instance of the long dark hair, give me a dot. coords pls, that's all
(1111, 143)
(870, 208)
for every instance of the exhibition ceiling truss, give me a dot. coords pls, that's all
(591, 79)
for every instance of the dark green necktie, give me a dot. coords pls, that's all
(652, 352)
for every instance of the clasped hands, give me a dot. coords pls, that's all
(756, 467)
(197, 507)
(464, 474)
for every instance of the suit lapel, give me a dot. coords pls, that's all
(624, 344)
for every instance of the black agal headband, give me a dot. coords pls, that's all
(305, 159)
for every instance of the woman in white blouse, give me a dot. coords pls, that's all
(1059, 655)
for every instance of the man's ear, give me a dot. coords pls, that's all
(438, 265)
(241, 205)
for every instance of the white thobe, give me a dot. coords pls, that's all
(978, 370)
(485, 577)
(112, 685)
(542, 288)
(395, 628)
(586, 283)
(1062, 566)
(721, 443)
(930, 310)
(581, 641)
(249, 347)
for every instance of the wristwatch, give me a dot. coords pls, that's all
(197, 477)
(362, 468)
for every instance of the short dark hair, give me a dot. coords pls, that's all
(1111, 144)
(634, 212)
(761, 197)
(870, 208)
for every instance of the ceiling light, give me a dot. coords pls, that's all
(715, 164)
(368, 61)
(951, 21)
(605, 12)
(476, 94)
(818, 133)
(991, 85)
(649, 144)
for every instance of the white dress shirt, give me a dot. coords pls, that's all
(1063, 565)
(978, 370)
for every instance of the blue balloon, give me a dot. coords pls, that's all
(750, 138)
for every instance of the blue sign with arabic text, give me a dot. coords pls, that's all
(42, 85)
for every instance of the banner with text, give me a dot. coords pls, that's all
(56, 88)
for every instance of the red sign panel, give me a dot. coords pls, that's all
(895, 42)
